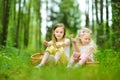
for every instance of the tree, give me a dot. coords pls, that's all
(5, 20)
(87, 14)
(67, 13)
(107, 21)
(116, 23)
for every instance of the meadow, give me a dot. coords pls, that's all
(15, 65)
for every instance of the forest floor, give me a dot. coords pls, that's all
(15, 65)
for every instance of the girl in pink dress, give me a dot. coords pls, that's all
(84, 48)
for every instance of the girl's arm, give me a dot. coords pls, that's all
(64, 44)
(75, 55)
(48, 43)
(89, 52)
(74, 43)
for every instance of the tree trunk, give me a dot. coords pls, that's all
(97, 24)
(101, 11)
(96, 9)
(18, 25)
(87, 14)
(107, 20)
(93, 15)
(26, 26)
(38, 34)
(5, 20)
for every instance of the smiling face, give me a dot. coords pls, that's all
(59, 33)
(85, 39)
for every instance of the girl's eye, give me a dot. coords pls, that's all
(87, 39)
(56, 31)
(61, 32)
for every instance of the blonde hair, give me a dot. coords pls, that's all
(86, 30)
(56, 26)
(83, 32)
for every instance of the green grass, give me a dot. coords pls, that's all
(15, 65)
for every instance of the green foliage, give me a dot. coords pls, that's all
(116, 23)
(68, 13)
(15, 65)
(66, 6)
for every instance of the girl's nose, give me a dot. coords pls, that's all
(87, 40)
(58, 33)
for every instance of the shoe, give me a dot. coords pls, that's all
(69, 66)
(39, 66)
(78, 65)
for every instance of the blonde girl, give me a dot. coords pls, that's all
(56, 46)
(84, 48)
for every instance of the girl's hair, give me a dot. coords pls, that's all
(56, 26)
(83, 32)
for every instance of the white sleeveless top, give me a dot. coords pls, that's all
(84, 49)
(67, 48)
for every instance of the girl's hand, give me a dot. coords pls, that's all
(76, 55)
(46, 43)
(72, 39)
(59, 45)
(71, 36)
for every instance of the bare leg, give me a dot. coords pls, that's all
(57, 56)
(74, 57)
(44, 59)
(82, 61)
(80, 64)
(70, 62)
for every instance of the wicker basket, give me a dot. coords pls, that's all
(95, 63)
(36, 58)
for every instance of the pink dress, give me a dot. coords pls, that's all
(84, 50)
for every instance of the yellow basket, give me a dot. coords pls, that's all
(36, 58)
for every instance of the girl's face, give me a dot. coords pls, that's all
(59, 33)
(85, 39)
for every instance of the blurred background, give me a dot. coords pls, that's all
(25, 24)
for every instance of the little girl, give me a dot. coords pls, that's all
(84, 48)
(56, 46)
